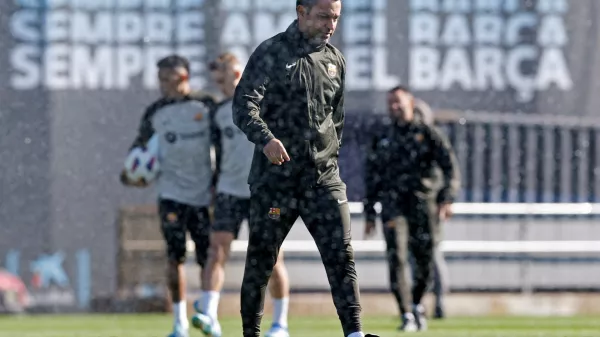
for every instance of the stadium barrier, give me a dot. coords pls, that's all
(551, 247)
(495, 247)
(462, 246)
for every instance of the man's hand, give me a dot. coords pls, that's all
(275, 151)
(125, 181)
(445, 211)
(369, 229)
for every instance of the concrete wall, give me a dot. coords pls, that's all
(73, 86)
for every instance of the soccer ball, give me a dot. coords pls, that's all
(143, 163)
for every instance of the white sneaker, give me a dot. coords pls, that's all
(209, 327)
(179, 331)
(409, 324)
(419, 312)
(277, 331)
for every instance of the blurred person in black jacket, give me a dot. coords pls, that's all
(424, 113)
(412, 171)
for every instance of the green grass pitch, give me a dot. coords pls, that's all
(159, 326)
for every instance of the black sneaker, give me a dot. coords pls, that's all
(371, 335)
(439, 312)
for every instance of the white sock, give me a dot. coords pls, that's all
(210, 303)
(357, 334)
(280, 311)
(180, 314)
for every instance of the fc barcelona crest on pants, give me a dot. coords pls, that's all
(274, 213)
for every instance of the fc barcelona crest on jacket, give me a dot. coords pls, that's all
(331, 70)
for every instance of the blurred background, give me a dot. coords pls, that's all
(513, 83)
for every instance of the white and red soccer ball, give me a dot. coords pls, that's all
(143, 163)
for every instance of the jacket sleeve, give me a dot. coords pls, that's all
(248, 96)
(372, 181)
(423, 112)
(211, 103)
(145, 129)
(215, 139)
(339, 114)
(444, 156)
(144, 133)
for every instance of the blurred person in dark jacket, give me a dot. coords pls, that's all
(424, 113)
(412, 171)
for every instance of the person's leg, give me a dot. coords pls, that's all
(391, 246)
(214, 276)
(279, 288)
(421, 245)
(326, 213)
(199, 227)
(440, 271)
(272, 215)
(174, 233)
(440, 287)
(227, 220)
(397, 234)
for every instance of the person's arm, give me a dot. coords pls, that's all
(145, 132)
(145, 129)
(248, 97)
(372, 181)
(423, 112)
(215, 137)
(211, 103)
(443, 155)
(339, 114)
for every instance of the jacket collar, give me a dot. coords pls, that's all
(299, 41)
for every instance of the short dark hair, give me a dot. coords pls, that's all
(308, 3)
(174, 61)
(305, 3)
(400, 88)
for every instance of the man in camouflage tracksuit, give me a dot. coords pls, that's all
(290, 104)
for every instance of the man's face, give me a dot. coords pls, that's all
(401, 106)
(170, 80)
(320, 20)
(226, 77)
